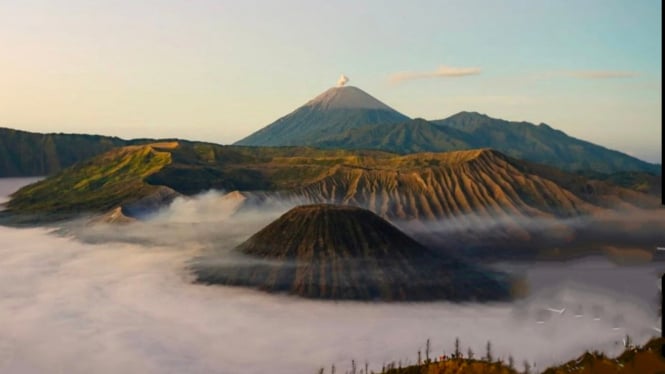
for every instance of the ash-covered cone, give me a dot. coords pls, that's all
(342, 252)
(334, 111)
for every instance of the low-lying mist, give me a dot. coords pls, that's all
(112, 298)
(10, 185)
(516, 236)
(209, 220)
(216, 217)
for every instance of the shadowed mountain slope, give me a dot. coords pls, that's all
(342, 252)
(483, 182)
(469, 130)
(413, 136)
(25, 153)
(335, 110)
(542, 144)
(635, 180)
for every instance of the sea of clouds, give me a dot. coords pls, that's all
(104, 298)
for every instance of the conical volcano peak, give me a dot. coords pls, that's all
(335, 111)
(347, 97)
(317, 231)
(342, 252)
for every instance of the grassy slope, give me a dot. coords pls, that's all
(197, 167)
(130, 173)
(100, 183)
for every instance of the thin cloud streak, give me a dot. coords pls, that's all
(600, 74)
(441, 72)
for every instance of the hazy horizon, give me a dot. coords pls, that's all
(219, 70)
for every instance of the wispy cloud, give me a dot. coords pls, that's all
(441, 72)
(600, 74)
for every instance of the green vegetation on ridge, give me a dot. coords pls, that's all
(98, 184)
(468, 130)
(25, 153)
(421, 186)
(543, 144)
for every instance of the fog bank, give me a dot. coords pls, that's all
(120, 299)
(122, 307)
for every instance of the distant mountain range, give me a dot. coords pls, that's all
(542, 144)
(349, 118)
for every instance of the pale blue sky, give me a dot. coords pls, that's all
(219, 70)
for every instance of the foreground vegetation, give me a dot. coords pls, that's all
(646, 359)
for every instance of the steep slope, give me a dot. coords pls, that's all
(335, 110)
(478, 200)
(542, 144)
(422, 187)
(100, 184)
(494, 206)
(144, 178)
(414, 136)
(342, 252)
(25, 153)
(432, 186)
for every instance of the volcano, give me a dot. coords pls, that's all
(342, 252)
(336, 110)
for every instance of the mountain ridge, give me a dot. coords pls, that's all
(545, 144)
(470, 130)
(415, 186)
(462, 199)
(24, 153)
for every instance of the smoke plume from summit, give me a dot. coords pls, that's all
(342, 80)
